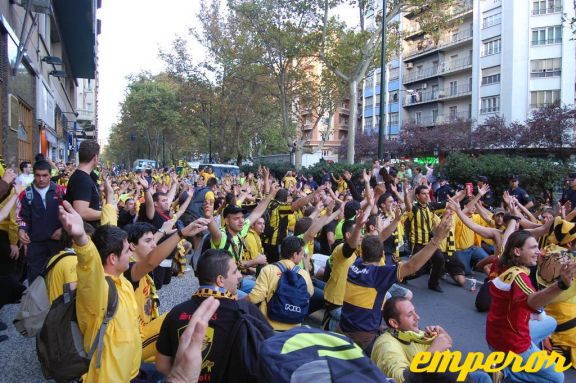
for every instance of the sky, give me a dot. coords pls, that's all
(133, 31)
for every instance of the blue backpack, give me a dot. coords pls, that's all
(291, 300)
(305, 354)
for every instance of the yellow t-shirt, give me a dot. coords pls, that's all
(466, 237)
(266, 285)
(336, 285)
(253, 246)
(289, 182)
(62, 273)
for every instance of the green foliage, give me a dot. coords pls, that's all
(536, 174)
(279, 170)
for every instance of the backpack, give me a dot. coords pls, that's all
(305, 354)
(29, 194)
(290, 301)
(244, 343)
(35, 304)
(60, 345)
(195, 208)
(268, 232)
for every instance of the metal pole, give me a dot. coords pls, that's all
(382, 84)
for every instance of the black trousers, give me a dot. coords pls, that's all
(434, 266)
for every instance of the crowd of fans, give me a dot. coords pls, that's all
(270, 251)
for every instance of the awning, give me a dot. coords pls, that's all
(76, 22)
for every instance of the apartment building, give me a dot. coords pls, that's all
(526, 57)
(503, 58)
(46, 46)
(437, 80)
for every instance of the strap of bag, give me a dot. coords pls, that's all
(110, 311)
(48, 268)
(281, 266)
(566, 325)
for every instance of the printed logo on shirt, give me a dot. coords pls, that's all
(295, 309)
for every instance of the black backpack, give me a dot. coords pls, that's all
(195, 208)
(245, 340)
(60, 345)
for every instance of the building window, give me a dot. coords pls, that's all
(453, 88)
(368, 121)
(491, 47)
(490, 104)
(453, 110)
(394, 73)
(543, 98)
(393, 119)
(542, 7)
(418, 117)
(368, 102)
(491, 20)
(492, 79)
(546, 68)
(393, 96)
(547, 35)
(434, 115)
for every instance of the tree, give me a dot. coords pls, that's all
(349, 52)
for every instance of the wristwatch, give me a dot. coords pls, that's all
(162, 231)
(562, 285)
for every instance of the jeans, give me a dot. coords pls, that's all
(479, 377)
(545, 375)
(541, 329)
(246, 286)
(471, 256)
(317, 300)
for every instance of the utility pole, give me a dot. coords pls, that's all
(381, 125)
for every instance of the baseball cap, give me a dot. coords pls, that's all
(514, 177)
(483, 179)
(499, 210)
(572, 175)
(233, 209)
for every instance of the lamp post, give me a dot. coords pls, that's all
(382, 83)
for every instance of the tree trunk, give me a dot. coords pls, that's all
(353, 87)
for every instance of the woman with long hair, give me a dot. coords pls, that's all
(515, 301)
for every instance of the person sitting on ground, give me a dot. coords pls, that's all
(219, 277)
(292, 253)
(368, 281)
(395, 350)
(515, 301)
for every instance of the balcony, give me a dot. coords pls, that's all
(456, 11)
(546, 10)
(448, 41)
(433, 120)
(419, 97)
(547, 41)
(440, 69)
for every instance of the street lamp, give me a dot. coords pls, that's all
(382, 83)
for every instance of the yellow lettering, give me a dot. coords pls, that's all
(559, 359)
(447, 360)
(493, 362)
(472, 363)
(516, 362)
(420, 358)
(535, 362)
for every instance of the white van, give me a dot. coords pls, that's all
(220, 170)
(143, 164)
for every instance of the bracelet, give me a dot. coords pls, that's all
(145, 189)
(162, 231)
(562, 285)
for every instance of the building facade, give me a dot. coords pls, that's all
(504, 58)
(46, 46)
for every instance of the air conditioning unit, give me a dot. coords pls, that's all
(409, 65)
(424, 86)
(441, 94)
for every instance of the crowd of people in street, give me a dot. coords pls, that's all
(269, 251)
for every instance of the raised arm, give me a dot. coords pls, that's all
(173, 187)
(184, 205)
(483, 213)
(261, 207)
(148, 198)
(391, 227)
(163, 250)
(485, 232)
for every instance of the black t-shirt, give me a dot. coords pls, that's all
(323, 237)
(215, 352)
(82, 187)
(569, 195)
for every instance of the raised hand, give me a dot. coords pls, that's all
(168, 227)
(196, 227)
(452, 204)
(9, 176)
(484, 189)
(188, 361)
(143, 182)
(366, 175)
(72, 223)
(442, 230)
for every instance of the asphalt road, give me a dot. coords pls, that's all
(453, 310)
